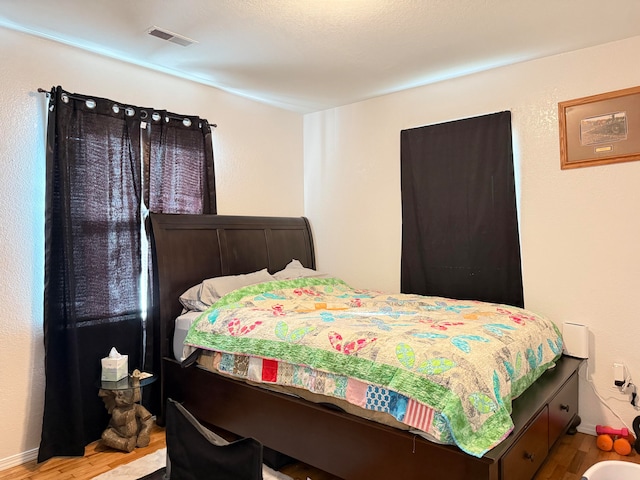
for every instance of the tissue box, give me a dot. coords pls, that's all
(114, 369)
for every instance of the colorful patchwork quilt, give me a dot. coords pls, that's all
(449, 368)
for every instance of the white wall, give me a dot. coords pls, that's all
(580, 228)
(259, 171)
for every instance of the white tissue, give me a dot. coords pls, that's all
(114, 353)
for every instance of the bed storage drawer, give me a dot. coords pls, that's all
(563, 408)
(528, 453)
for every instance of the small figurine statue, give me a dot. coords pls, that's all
(130, 424)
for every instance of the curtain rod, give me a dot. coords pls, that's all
(175, 117)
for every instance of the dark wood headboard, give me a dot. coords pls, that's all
(187, 249)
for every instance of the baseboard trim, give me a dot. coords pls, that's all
(587, 428)
(18, 459)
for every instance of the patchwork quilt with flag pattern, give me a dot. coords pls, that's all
(449, 368)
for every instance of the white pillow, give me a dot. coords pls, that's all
(215, 288)
(190, 299)
(295, 270)
(203, 295)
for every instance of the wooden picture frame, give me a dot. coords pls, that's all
(600, 129)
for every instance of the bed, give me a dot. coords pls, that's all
(190, 248)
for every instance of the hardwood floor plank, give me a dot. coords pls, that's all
(96, 460)
(576, 462)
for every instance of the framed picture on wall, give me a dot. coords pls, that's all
(600, 129)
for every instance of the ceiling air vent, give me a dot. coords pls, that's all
(170, 36)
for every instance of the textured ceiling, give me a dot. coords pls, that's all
(309, 55)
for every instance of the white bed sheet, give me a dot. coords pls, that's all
(183, 322)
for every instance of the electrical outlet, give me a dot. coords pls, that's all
(618, 374)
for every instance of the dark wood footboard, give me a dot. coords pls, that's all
(353, 448)
(336, 442)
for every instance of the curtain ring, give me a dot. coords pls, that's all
(64, 97)
(90, 103)
(156, 116)
(130, 112)
(115, 108)
(186, 122)
(143, 114)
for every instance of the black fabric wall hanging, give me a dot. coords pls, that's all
(459, 219)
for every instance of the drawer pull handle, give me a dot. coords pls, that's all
(529, 456)
(564, 406)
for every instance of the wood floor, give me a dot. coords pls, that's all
(97, 459)
(569, 459)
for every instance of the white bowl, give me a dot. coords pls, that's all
(613, 470)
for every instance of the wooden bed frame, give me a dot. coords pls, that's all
(190, 248)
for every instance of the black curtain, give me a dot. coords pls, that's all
(459, 220)
(94, 269)
(178, 178)
(178, 164)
